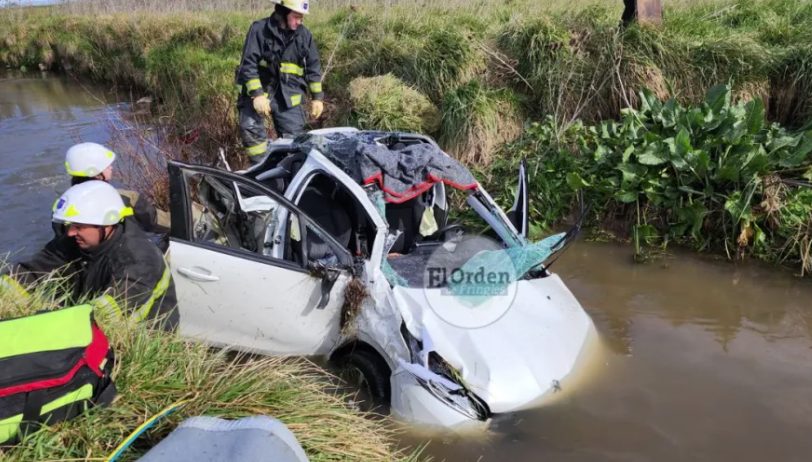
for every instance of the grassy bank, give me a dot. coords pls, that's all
(156, 369)
(495, 81)
(509, 62)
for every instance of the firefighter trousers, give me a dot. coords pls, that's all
(288, 123)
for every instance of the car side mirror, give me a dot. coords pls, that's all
(518, 214)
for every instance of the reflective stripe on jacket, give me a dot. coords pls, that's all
(127, 268)
(279, 60)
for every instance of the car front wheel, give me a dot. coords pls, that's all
(368, 373)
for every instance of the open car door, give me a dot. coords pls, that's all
(519, 213)
(244, 267)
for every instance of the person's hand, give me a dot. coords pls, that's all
(316, 108)
(262, 105)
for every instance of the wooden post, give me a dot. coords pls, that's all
(643, 11)
(650, 11)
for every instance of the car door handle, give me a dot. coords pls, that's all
(198, 276)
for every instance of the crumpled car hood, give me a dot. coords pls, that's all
(519, 357)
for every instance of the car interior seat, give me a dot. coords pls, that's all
(405, 218)
(330, 215)
(220, 204)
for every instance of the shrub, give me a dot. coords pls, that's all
(386, 103)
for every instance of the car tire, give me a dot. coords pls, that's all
(367, 371)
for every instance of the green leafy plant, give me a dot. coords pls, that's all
(711, 175)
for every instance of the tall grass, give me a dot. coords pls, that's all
(386, 103)
(155, 369)
(573, 63)
(254, 6)
(491, 68)
(477, 120)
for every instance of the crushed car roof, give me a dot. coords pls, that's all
(403, 165)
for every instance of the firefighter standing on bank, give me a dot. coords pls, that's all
(279, 65)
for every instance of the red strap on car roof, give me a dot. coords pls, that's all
(394, 197)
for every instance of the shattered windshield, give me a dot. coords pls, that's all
(472, 249)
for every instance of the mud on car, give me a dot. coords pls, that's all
(343, 244)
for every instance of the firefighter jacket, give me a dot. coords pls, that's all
(126, 268)
(280, 62)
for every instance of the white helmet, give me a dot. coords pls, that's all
(299, 6)
(91, 203)
(88, 159)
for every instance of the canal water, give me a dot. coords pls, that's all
(699, 359)
(40, 118)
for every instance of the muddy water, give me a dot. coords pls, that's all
(39, 119)
(698, 359)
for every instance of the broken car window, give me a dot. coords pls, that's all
(238, 216)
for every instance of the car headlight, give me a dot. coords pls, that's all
(440, 378)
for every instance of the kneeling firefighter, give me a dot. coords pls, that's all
(105, 257)
(279, 65)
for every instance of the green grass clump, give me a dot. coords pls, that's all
(445, 59)
(155, 369)
(569, 63)
(186, 67)
(478, 119)
(386, 103)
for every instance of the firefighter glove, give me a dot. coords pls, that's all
(316, 108)
(262, 105)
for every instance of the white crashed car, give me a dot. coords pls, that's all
(338, 245)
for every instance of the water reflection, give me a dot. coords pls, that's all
(703, 360)
(39, 119)
(684, 289)
(23, 97)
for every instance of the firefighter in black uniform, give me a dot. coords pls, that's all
(279, 65)
(92, 161)
(106, 258)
